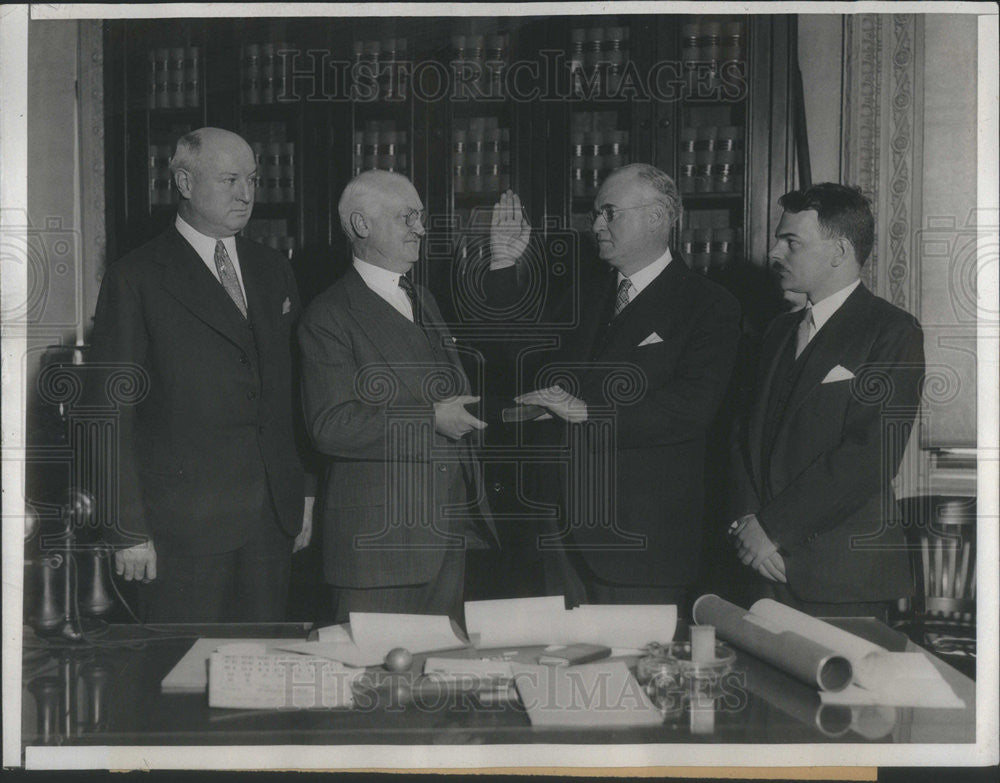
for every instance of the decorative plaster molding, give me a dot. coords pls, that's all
(882, 143)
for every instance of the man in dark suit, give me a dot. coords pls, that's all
(210, 484)
(641, 379)
(384, 395)
(838, 389)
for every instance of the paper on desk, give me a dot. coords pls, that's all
(593, 694)
(617, 626)
(517, 621)
(899, 680)
(345, 652)
(335, 633)
(370, 635)
(418, 633)
(190, 674)
(785, 618)
(533, 621)
(468, 667)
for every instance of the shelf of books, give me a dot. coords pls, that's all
(711, 142)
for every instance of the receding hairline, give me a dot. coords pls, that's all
(366, 190)
(192, 146)
(658, 183)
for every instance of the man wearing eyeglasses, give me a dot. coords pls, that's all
(210, 482)
(643, 376)
(385, 397)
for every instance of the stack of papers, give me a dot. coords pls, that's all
(370, 635)
(544, 621)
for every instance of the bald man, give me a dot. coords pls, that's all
(385, 396)
(211, 487)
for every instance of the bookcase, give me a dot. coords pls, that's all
(465, 107)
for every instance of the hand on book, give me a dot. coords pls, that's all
(558, 401)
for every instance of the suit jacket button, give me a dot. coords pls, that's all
(251, 395)
(244, 359)
(443, 468)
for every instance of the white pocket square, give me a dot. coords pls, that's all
(838, 373)
(652, 339)
(286, 306)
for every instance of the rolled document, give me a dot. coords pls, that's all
(864, 656)
(796, 699)
(803, 658)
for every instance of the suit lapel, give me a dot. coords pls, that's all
(395, 338)
(188, 280)
(260, 309)
(828, 347)
(765, 390)
(662, 301)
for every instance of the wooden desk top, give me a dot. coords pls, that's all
(113, 685)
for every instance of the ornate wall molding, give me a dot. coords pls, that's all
(883, 142)
(90, 78)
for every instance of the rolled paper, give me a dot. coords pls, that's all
(702, 643)
(803, 658)
(795, 699)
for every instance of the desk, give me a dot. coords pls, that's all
(108, 693)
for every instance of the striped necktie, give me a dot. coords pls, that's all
(407, 286)
(227, 276)
(622, 299)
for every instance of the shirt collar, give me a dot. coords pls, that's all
(826, 307)
(376, 276)
(647, 274)
(204, 245)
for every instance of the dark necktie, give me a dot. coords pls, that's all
(407, 286)
(227, 276)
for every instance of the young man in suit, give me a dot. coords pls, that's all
(384, 395)
(210, 481)
(647, 366)
(837, 392)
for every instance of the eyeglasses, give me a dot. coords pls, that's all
(252, 182)
(609, 213)
(414, 215)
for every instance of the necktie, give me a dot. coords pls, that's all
(805, 331)
(407, 286)
(622, 299)
(227, 276)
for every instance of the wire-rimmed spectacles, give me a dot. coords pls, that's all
(609, 212)
(413, 216)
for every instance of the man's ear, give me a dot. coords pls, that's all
(658, 216)
(844, 251)
(182, 181)
(359, 225)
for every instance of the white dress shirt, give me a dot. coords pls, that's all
(204, 246)
(386, 285)
(646, 275)
(824, 309)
